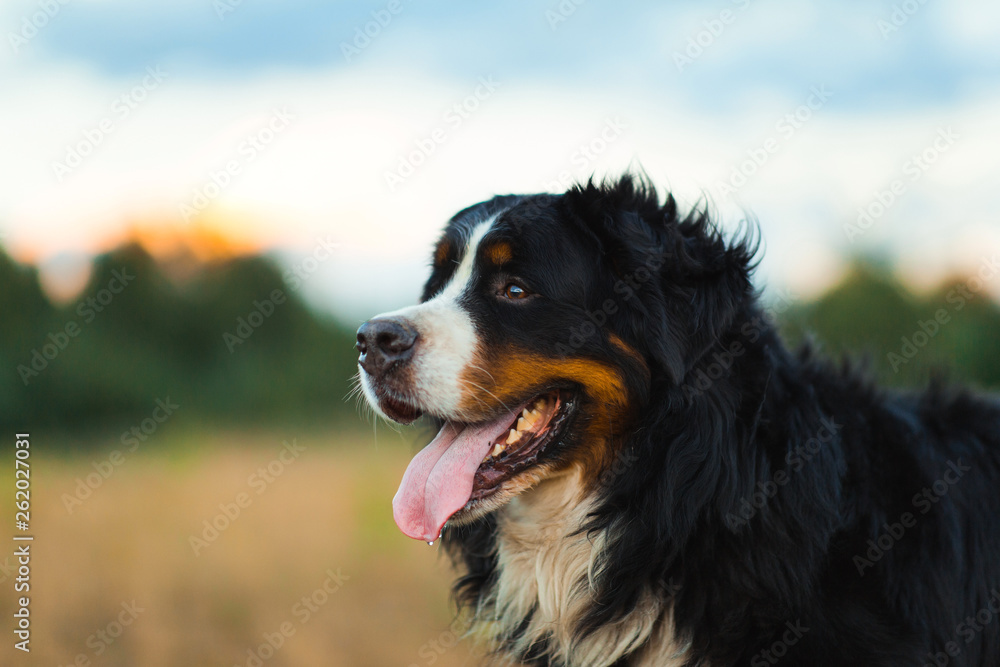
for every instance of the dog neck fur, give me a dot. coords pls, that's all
(546, 574)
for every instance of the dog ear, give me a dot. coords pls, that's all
(707, 284)
(642, 254)
(681, 285)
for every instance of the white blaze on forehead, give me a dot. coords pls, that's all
(447, 339)
(459, 281)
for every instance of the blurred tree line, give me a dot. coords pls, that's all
(218, 343)
(233, 344)
(952, 331)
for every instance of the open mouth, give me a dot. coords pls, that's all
(398, 410)
(466, 464)
(519, 448)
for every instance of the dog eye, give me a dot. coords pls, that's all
(513, 291)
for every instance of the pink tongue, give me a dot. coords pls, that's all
(438, 481)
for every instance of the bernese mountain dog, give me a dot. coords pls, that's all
(631, 468)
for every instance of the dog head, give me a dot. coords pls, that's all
(545, 324)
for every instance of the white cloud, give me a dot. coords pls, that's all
(324, 174)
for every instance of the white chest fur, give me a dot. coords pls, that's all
(547, 565)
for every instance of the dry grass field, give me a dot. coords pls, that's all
(314, 553)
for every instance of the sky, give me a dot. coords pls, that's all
(299, 126)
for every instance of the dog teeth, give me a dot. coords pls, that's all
(501, 447)
(528, 419)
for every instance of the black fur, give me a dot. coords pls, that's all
(725, 414)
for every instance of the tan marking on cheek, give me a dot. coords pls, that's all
(625, 347)
(499, 253)
(441, 252)
(513, 375)
(510, 375)
(630, 351)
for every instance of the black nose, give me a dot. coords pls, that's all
(384, 341)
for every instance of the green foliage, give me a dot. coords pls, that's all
(953, 331)
(156, 338)
(159, 338)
